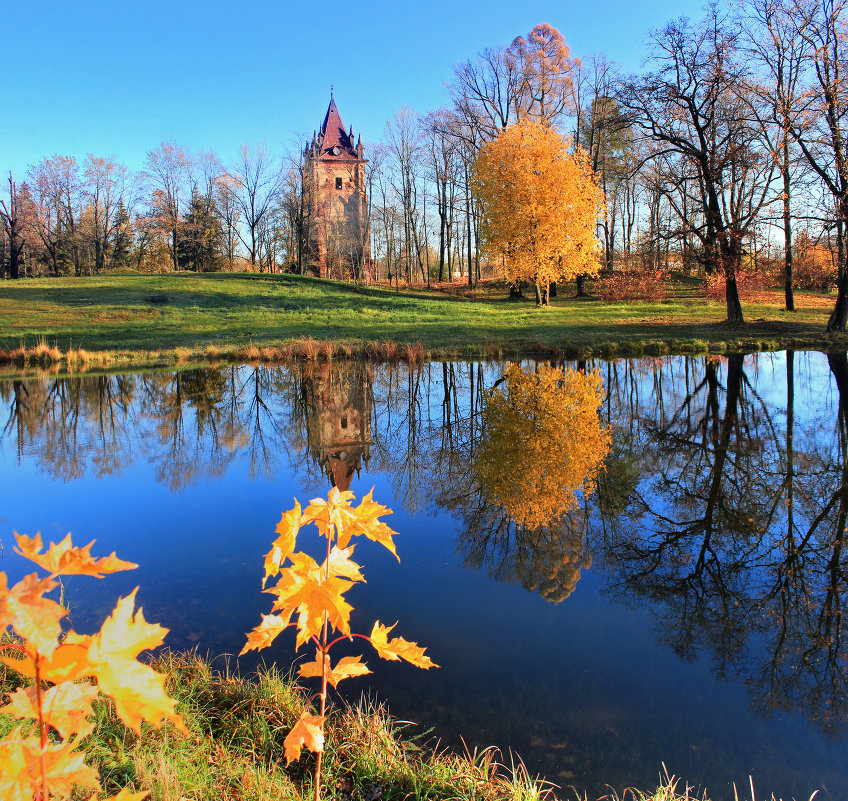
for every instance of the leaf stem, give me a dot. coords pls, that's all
(42, 729)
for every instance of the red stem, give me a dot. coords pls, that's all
(347, 637)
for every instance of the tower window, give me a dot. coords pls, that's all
(338, 182)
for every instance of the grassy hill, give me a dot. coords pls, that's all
(186, 316)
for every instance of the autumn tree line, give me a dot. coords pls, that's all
(726, 157)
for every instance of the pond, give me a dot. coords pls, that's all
(677, 600)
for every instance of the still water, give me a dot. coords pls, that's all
(682, 604)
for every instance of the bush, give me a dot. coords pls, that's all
(632, 285)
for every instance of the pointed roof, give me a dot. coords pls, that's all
(333, 133)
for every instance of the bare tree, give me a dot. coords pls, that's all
(774, 31)
(168, 175)
(13, 226)
(259, 178)
(692, 106)
(821, 127)
(106, 185)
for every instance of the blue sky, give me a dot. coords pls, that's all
(118, 78)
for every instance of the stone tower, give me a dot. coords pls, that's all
(337, 234)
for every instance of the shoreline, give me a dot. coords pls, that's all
(49, 358)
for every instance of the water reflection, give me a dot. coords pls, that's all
(701, 489)
(337, 403)
(540, 451)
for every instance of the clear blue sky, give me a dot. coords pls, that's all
(118, 78)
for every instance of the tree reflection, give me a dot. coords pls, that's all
(542, 443)
(741, 554)
(523, 503)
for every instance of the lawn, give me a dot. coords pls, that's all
(141, 318)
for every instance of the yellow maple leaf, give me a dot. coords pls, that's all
(138, 690)
(283, 546)
(18, 756)
(364, 519)
(317, 599)
(398, 648)
(65, 767)
(341, 565)
(63, 558)
(22, 760)
(34, 617)
(304, 588)
(309, 732)
(347, 667)
(265, 633)
(66, 707)
(328, 515)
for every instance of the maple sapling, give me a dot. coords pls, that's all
(315, 593)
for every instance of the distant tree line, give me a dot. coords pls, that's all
(726, 157)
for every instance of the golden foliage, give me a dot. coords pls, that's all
(314, 595)
(542, 442)
(63, 558)
(49, 763)
(308, 731)
(397, 647)
(540, 205)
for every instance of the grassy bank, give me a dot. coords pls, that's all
(182, 318)
(234, 750)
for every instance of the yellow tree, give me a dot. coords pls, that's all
(540, 206)
(542, 442)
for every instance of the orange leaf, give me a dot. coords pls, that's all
(398, 648)
(65, 707)
(265, 633)
(32, 616)
(64, 558)
(308, 731)
(138, 690)
(341, 565)
(67, 663)
(287, 528)
(347, 667)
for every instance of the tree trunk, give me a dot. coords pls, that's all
(581, 286)
(538, 293)
(552, 289)
(839, 315)
(787, 229)
(734, 306)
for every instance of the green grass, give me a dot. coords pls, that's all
(141, 319)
